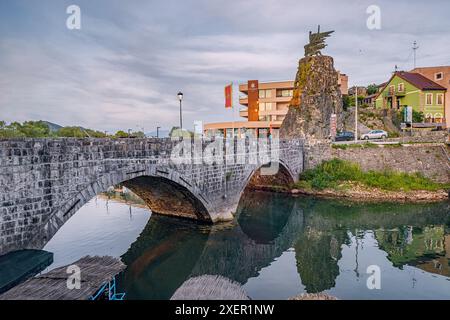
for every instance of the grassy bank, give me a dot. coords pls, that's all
(336, 173)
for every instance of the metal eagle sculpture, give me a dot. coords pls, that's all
(316, 42)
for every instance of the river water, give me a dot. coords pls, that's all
(277, 247)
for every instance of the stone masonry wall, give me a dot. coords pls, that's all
(430, 160)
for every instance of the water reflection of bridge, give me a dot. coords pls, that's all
(167, 254)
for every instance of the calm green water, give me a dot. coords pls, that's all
(277, 247)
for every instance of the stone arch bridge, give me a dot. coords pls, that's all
(45, 181)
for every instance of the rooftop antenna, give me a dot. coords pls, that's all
(415, 47)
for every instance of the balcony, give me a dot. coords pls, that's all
(243, 113)
(283, 98)
(243, 99)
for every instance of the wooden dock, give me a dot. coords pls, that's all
(95, 272)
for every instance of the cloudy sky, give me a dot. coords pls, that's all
(125, 66)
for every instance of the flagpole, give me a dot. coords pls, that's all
(232, 108)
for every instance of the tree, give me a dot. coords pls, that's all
(121, 134)
(95, 133)
(138, 134)
(31, 129)
(71, 132)
(345, 102)
(352, 100)
(417, 116)
(372, 89)
(35, 129)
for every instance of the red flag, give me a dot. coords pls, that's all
(229, 96)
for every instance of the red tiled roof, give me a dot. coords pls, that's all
(419, 81)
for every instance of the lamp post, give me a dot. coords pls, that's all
(180, 97)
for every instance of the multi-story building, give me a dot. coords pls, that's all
(265, 105)
(441, 76)
(416, 91)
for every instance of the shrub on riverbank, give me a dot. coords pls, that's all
(332, 174)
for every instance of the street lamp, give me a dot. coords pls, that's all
(180, 97)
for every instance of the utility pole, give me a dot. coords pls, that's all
(356, 113)
(415, 47)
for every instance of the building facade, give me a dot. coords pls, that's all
(264, 106)
(440, 75)
(414, 90)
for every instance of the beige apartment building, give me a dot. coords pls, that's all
(264, 107)
(440, 75)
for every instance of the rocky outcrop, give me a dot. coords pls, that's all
(316, 98)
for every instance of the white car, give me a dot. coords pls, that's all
(374, 134)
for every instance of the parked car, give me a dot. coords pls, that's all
(345, 136)
(374, 134)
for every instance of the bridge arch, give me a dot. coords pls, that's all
(284, 176)
(151, 184)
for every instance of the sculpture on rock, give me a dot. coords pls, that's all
(316, 101)
(316, 42)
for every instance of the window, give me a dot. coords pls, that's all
(438, 76)
(428, 99)
(265, 106)
(440, 99)
(265, 93)
(401, 87)
(438, 117)
(391, 89)
(285, 93)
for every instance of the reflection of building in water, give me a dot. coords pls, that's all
(427, 248)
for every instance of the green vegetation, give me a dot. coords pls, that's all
(41, 129)
(77, 132)
(418, 116)
(333, 173)
(352, 100)
(372, 89)
(33, 129)
(345, 102)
